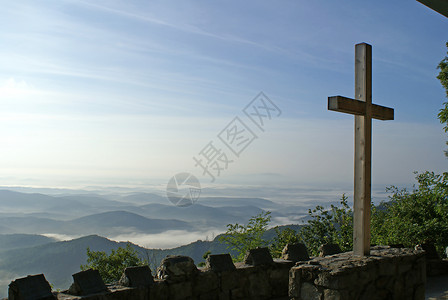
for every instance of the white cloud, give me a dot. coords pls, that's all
(15, 88)
(127, 148)
(167, 239)
(61, 237)
(112, 77)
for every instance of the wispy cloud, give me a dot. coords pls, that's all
(168, 239)
(139, 88)
(296, 53)
(13, 88)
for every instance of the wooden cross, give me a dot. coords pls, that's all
(364, 111)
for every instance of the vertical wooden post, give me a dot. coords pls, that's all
(364, 112)
(363, 151)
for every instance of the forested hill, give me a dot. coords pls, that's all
(23, 255)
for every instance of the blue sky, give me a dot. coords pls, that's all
(127, 92)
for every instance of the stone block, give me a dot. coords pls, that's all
(346, 276)
(30, 287)
(344, 280)
(278, 280)
(396, 246)
(399, 286)
(309, 272)
(309, 292)
(368, 273)
(387, 268)
(87, 282)
(295, 282)
(159, 290)
(137, 276)
(224, 295)
(285, 264)
(232, 279)
(258, 257)
(212, 295)
(175, 268)
(329, 249)
(370, 292)
(412, 278)
(295, 252)
(239, 294)
(259, 286)
(205, 282)
(220, 262)
(121, 293)
(180, 290)
(384, 282)
(332, 295)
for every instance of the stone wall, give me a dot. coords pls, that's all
(244, 282)
(388, 273)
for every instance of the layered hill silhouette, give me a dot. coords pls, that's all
(28, 221)
(59, 260)
(23, 255)
(112, 222)
(14, 241)
(85, 214)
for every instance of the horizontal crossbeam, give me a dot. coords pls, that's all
(356, 107)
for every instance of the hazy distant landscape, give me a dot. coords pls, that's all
(48, 231)
(129, 216)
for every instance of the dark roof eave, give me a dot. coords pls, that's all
(440, 6)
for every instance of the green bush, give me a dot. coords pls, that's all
(112, 266)
(242, 238)
(407, 218)
(415, 217)
(282, 238)
(334, 225)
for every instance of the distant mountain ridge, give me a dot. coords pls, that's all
(144, 213)
(238, 201)
(112, 222)
(26, 217)
(58, 260)
(14, 241)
